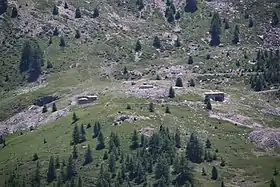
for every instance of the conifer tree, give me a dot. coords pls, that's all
(190, 60)
(74, 118)
(125, 70)
(214, 173)
(273, 183)
(78, 34)
(226, 24)
(167, 110)
(57, 163)
(95, 12)
(62, 42)
(222, 184)
(88, 156)
(151, 107)
(55, 10)
(96, 129)
(3, 6)
(177, 42)
(275, 19)
(50, 43)
(142, 140)
(54, 109)
(275, 172)
(70, 168)
(62, 176)
(75, 135)
(75, 152)
(191, 6)
(80, 182)
(100, 139)
(134, 140)
(208, 105)
(35, 157)
(251, 23)
(37, 177)
(156, 42)
(208, 144)
(51, 171)
(170, 16)
(194, 149)
(66, 5)
(192, 83)
(105, 156)
(140, 4)
(112, 163)
(78, 13)
(179, 82)
(177, 139)
(215, 29)
(83, 133)
(184, 174)
(235, 39)
(222, 163)
(177, 16)
(14, 12)
(72, 183)
(128, 107)
(138, 46)
(45, 109)
(26, 57)
(171, 93)
(56, 31)
(203, 172)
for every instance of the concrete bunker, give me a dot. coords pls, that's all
(215, 96)
(86, 99)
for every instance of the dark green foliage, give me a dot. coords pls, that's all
(246, 15)
(105, 156)
(273, 183)
(143, 140)
(80, 182)
(75, 135)
(14, 12)
(54, 109)
(156, 42)
(162, 170)
(140, 4)
(215, 29)
(158, 77)
(184, 173)
(226, 24)
(100, 141)
(88, 156)
(251, 23)
(72, 183)
(74, 118)
(275, 19)
(177, 16)
(190, 60)
(112, 163)
(203, 172)
(214, 173)
(191, 6)
(78, 13)
(222, 184)
(96, 129)
(88, 125)
(56, 31)
(51, 171)
(208, 144)
(170, 15)
(50, 42)
(167, 110)
(70, 168)
(45, 109)
(138, 46)
(223, 163)
(62, 42)
(35, 157)
(208, 105)
(95, 13)
(128, 107)
(171, 93)
(55, 10)
(134, 140)
(37, 178)
(179, 82)
(151, 107)
(235, 39)
(75, 152)
(177, 139)
(168, 2)
(66, 5)
(192, 83)
(177, 42)
(3, 6)
(125, 70)
(115, 138)
(78, 34)
(57, 163)
(83, 133)
(275, 172)
(194, 149)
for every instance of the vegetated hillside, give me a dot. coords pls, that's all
(149, 63)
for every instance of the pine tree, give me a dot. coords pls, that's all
(96, 129)
(138, 46)
(134, 140)
(100, 139)
(151, 107)
(177, 42)
(275, 172)
(51, 171)
(37, 177)
(171, 93)
(75, 152)
(35, 157)
(80, 182)
(78, 34)
(57, 163)
(235, 39)
(56, 31)
(55, 10)
(95, 13)
(222, 184)
(177, 16)
(208, 105)
(190, 60)
(140, 4)
(223, 163)
(75, 135)
(14, 12)
(167, 110)
(112, 163)
(54, 109)
(45, 109)
(251, 23)
(142, 140)
(62, 42)
(194, 149)
(191, 6)
(70, 168)
(170, 16)
(26, 57)
(214, 173)
(50, 43)
(215, 29)
(273, 183)
(128, 107)
(177, 139)
(184, 174)
(3, 6)
(208, 144)
(78, 13)
(88, 156)
(203, 172)
(156, 42)
(74, 118)
(226, 24)
(125, 70)
(105, 156)
(168, 2)
(275, 19)
(83, 133)
(66, 5)
(179, 82)
(192, 83)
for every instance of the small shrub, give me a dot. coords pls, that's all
(35, 157)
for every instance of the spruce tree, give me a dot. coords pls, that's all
(275, 172)
(62, 42)
(112, 163)
(56, 31)
(177, 16)
(251, 23)
(50, 43)
(83, 133)
(273, 183)
(235, 39)
(100, 141)
(80, 182)
(142, 140)
(151, 107)
(208, 105)
(222, 184)
(51, 171)
(26, 57)
(88, 156)
(96, 129)
(78, 13)
(74, 118)
(45, 109)
(177, 42)
(105, 156)
(190, 60)
(214, 173)
(140, 4)
(95, 13)
(215, 29)
(184, 174)
(194, 149)
(75, 135)
(275, 19)
(203, 172)
(171, 93)
(3, 6)
(54, 109)
(14, 12)
(55, 10)
(37, 177)
(57, 163)
(156, 42)
(177, 139)
(223, 163)
(191, 6)
(226, 24)
(35, 157)
(66, 5)
(78, 34)
(70, 168)
(75, 152)
(208, 144)
(134, 140)
(167, 110)
(138, 46)
(192, 83)
(179, 82)
(170, 16)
